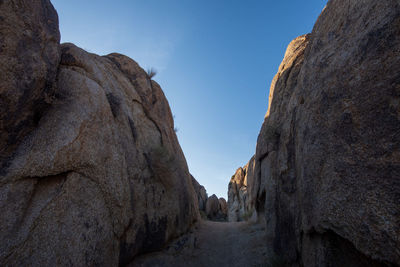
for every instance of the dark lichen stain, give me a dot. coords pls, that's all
(114, 103)
(68, 59)
(133, 129)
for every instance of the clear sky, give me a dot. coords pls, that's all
(215, 62)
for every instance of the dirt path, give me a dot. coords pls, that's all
(213, 244)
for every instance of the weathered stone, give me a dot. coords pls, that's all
(212, 207)
(250, 180)
(29, 57)
(100, 177)
(216, 209)
(241, 201)
(201, 194)
(223, 206)
(235, 203)
(327, 160)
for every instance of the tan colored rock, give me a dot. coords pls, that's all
(100, 177)
(241, 200)
(327, 161)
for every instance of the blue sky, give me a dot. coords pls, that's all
(215, 62)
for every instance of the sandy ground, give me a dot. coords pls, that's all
(213, 244)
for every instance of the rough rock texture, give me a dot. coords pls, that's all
(201, 194)
(97, 176)
(328, 155)
(241, 200)
(216, 208)
(212, 207)
(223, 206)
(237, 196)
(29, 57)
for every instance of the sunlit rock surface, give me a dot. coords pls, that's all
(91, 170)
(241, 195)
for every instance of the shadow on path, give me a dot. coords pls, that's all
(213, 244)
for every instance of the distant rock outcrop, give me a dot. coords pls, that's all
(91, 169)
(223, 206)
(211, 208)
(216, 209)
(240, 198)
(327, 163)
(237, 195)
(201, 194)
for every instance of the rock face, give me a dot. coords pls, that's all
(223, 206)
(327, 161)
(216, 208)
(29, 57)
(201, 194)
(211, 208)
(240, 198)
(237, 195)
(91, 170)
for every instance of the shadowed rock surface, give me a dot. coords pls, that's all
(216, 209)
(97, 176)
(201, 194)
(223, 206)
(327, 161)
(29, 57)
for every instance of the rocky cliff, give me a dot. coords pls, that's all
(91, 169)
(327, 163)
(240, 196)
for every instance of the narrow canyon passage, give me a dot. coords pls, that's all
(213, 244)
(92, 172)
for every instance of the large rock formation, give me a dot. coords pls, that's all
(210, 208)
(201, 194)
(91, 170)
(327, 160)
(223, 206)
(240, 196)
(237, 195)
(216, 209)
(29, 57)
